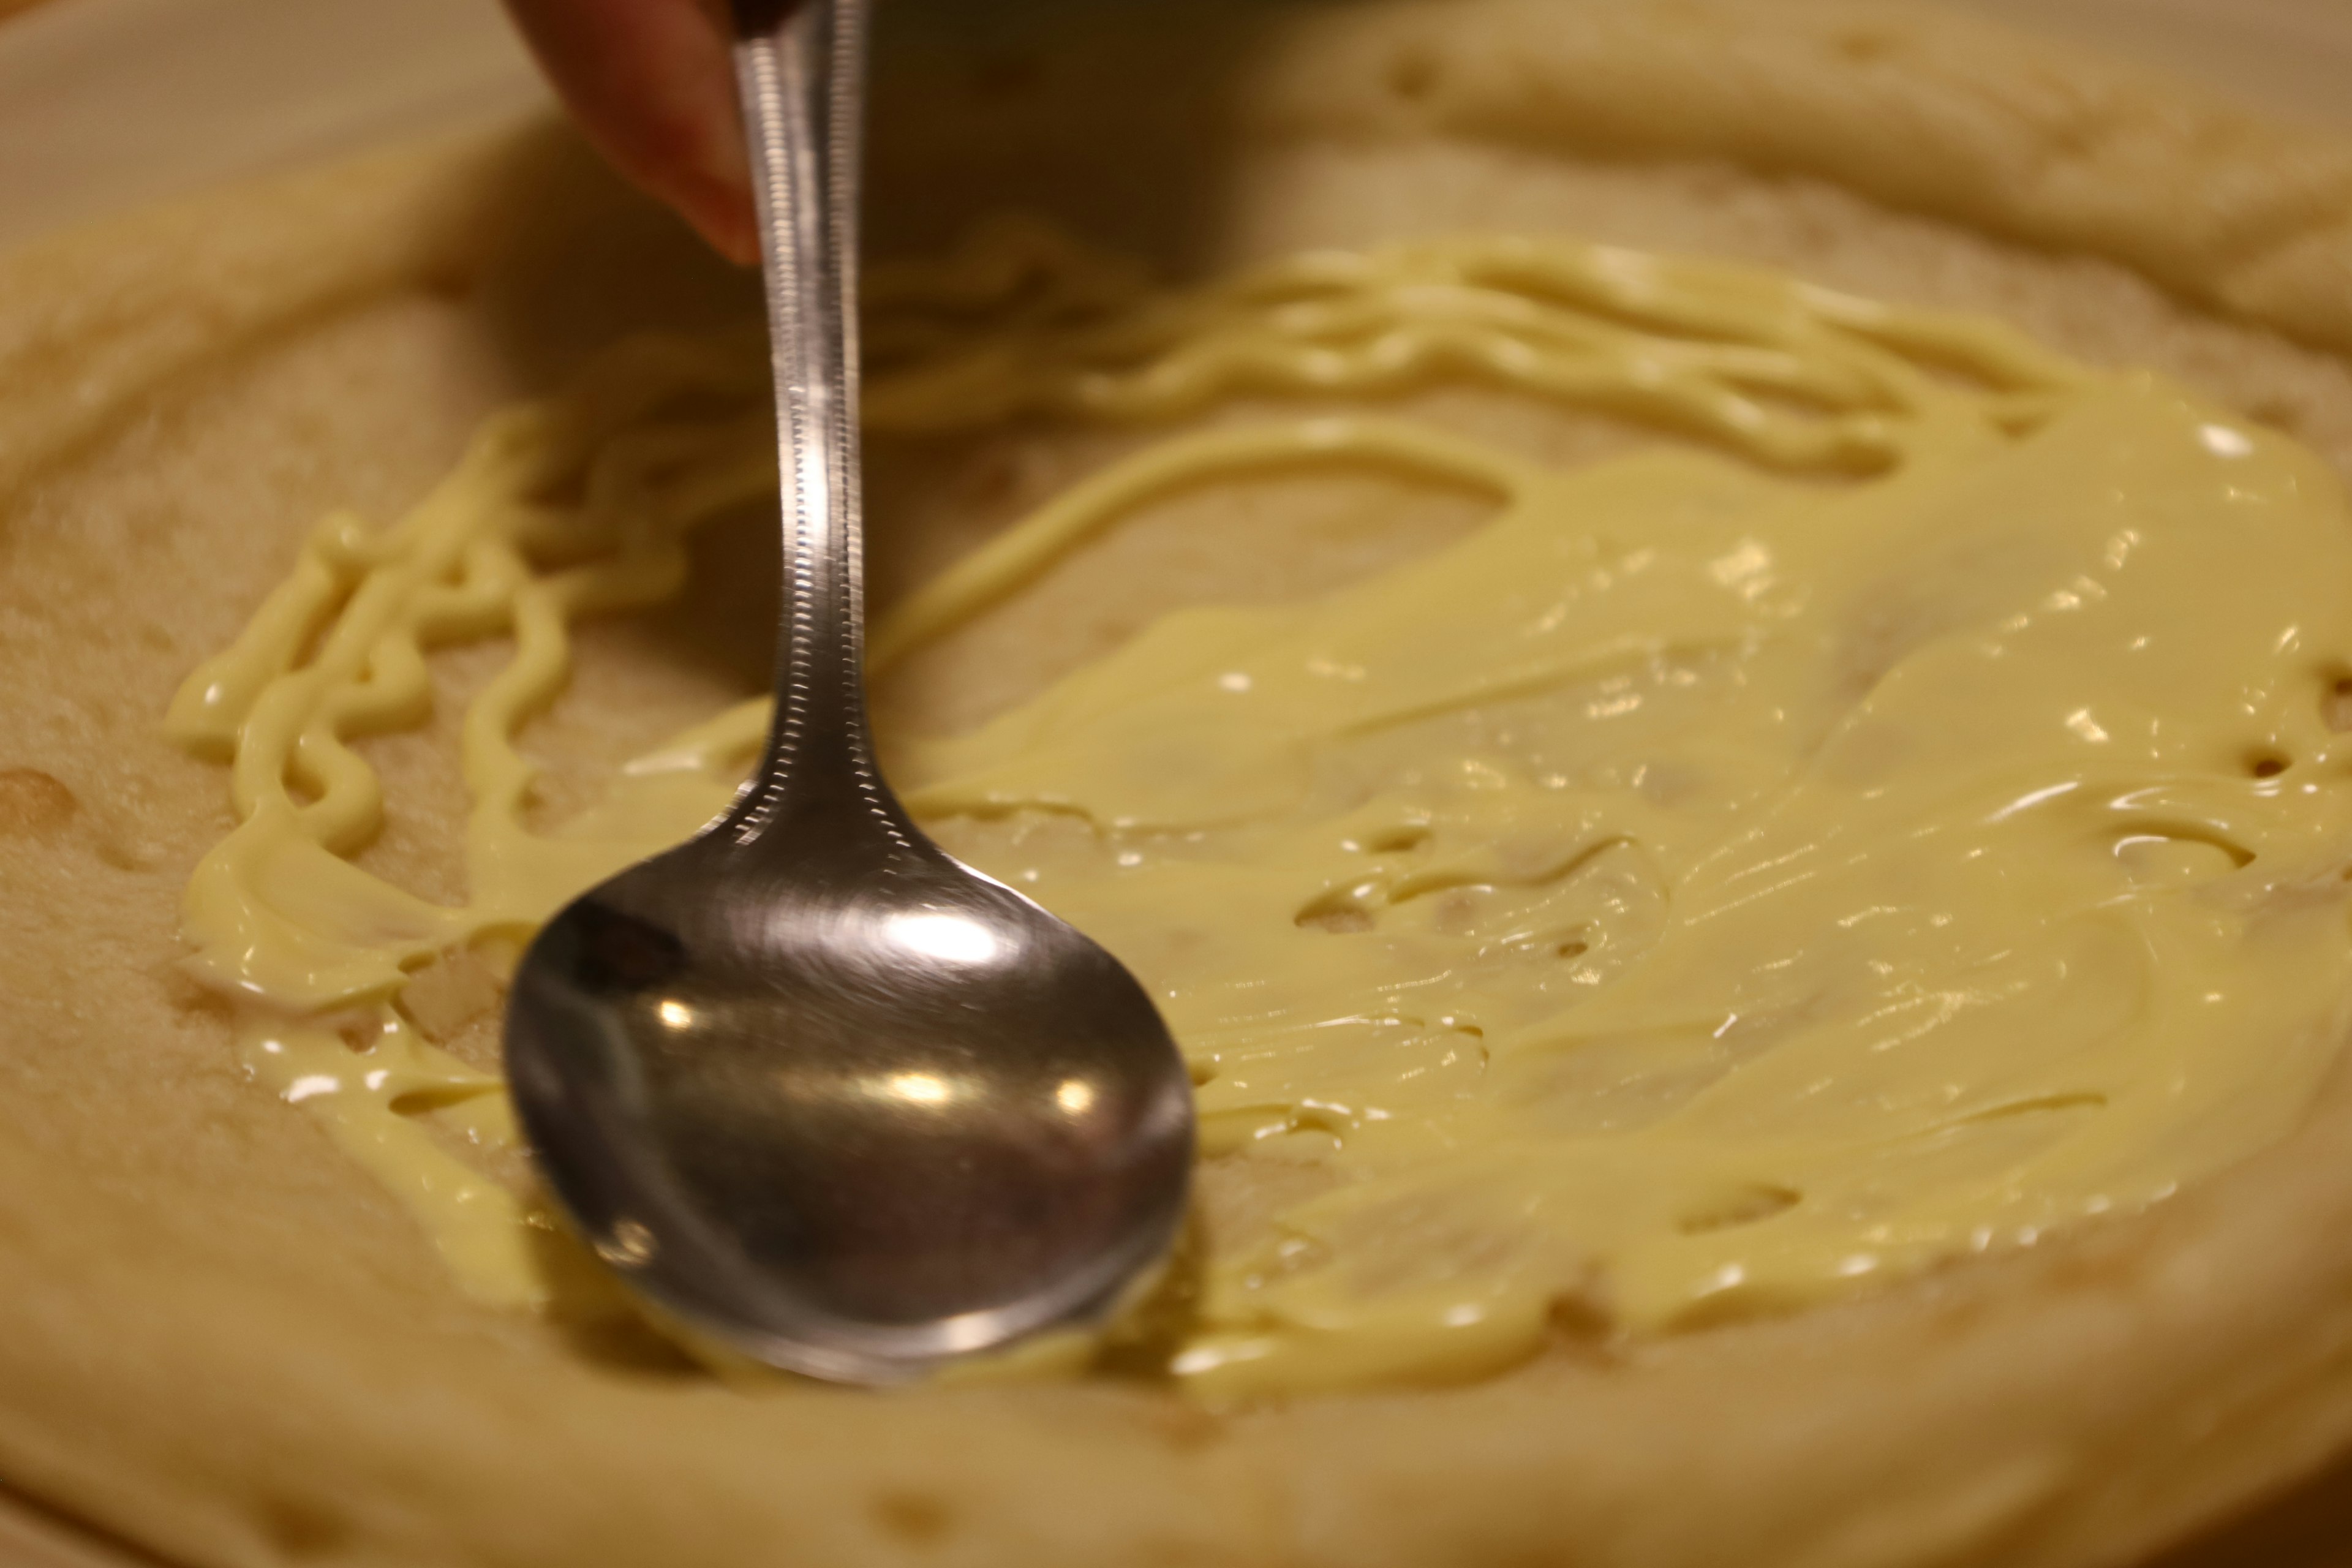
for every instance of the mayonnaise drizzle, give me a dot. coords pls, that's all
(1704, 890)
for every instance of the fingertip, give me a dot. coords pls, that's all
(738, 241)
(653, 86)
(723, 214)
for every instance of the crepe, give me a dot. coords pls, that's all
(225, 1345)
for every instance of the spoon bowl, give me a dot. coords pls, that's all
(851, 1119)
(816, 1091)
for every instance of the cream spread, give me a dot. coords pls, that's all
(1907, 816)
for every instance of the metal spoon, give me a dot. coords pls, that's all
(815, 1091)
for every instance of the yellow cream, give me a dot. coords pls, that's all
(1729, 878)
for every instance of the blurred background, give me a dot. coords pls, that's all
(108, 104)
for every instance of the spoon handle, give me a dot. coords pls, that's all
(799, 69)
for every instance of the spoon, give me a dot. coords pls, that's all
(819, 1094)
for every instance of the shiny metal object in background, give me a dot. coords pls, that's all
(813, 1089)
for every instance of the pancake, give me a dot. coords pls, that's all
(230, 1345)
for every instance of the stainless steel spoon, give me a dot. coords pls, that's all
(815, 1091)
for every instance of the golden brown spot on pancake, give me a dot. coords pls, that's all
(33, 805)
(918, 1519)
(1865, 44)
(302, 1528)
(1415, 74)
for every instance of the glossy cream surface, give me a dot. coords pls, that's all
(1908, 816)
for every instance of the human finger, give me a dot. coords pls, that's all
(652, 84)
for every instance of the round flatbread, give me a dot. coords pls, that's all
(224, 1344)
